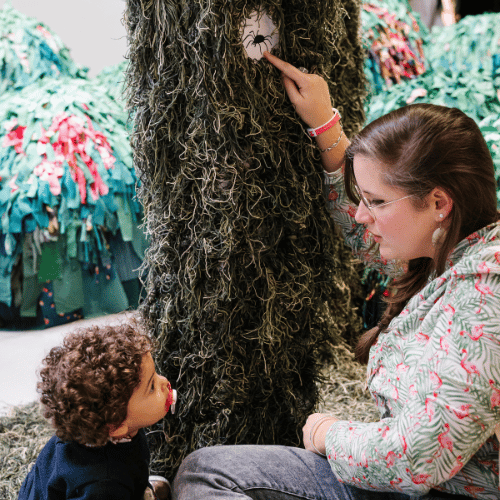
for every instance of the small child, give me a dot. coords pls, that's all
(99, 389)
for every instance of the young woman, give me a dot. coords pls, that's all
(415, 192)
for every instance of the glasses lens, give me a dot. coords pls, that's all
(364, 200)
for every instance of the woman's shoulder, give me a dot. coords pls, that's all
(478, 253)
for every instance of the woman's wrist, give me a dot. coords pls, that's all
(328, 124)
(318, 432)
(332, 145)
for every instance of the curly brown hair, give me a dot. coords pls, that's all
(87, 382)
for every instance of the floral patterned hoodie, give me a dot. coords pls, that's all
(434, 375)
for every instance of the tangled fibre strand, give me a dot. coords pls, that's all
(248, 282)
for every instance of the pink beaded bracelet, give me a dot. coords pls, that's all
(314, 132)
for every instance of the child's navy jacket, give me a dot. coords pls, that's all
(71, 470)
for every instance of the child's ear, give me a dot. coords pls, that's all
(118, 432)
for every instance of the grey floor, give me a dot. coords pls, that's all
(21, 353)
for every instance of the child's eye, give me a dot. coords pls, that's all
(152, 387)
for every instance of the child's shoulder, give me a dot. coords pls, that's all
(69, 466)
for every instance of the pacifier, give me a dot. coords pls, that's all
(171, 399)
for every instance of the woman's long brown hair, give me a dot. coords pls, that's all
(424, 146)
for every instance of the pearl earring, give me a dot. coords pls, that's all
(439, 234)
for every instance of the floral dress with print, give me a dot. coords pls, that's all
(434, 375)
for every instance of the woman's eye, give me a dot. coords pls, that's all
(152, 387)
(376, 202)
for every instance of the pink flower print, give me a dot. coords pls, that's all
(394, 393)
(384, 430)
(461, 412)
(443, 343)
(457, 467)
(419, 478)
(445, 443)
(430, 405)
(483, 268)
(497, 257)
(483, 290)
(422, 337)
(476, 333)
(469, 367)
(472, 237)
(401, 368)
(435, 379)
(495, 397)
(449, 309)
(403, 442)
(395, 482)
(444, 440)
(473, 490)
(491, 464)
(390, 458)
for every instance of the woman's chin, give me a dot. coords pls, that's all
(386, 253)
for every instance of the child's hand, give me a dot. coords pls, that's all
(308, 92)
(161, 488)
(148, 494)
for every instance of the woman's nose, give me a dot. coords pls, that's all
(363, 215)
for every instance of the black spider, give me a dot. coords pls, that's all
(257, 39)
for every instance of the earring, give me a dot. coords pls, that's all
(439, 234)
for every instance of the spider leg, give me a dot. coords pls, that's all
(251, 34)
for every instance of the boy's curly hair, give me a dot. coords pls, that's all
(87, 382)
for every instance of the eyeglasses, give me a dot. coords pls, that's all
(371, 208)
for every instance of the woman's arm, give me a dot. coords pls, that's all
(314, 432)
(311, 99)
(440, 377)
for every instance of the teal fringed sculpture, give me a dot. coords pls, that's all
(29, 51)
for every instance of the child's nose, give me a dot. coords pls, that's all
(164, 383)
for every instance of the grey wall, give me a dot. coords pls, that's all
(91, 29)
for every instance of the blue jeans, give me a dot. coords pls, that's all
(268, 473)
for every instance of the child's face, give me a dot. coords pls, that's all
(150, 400)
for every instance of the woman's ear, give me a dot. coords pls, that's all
(442, 203)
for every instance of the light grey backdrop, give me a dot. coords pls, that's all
(92, 29)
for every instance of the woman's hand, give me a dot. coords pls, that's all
(314, 432)
(308, 92)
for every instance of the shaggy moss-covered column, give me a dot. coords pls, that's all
(247, 280)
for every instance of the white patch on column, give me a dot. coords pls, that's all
(259, 34)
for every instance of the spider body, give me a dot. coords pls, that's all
(258, 39)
